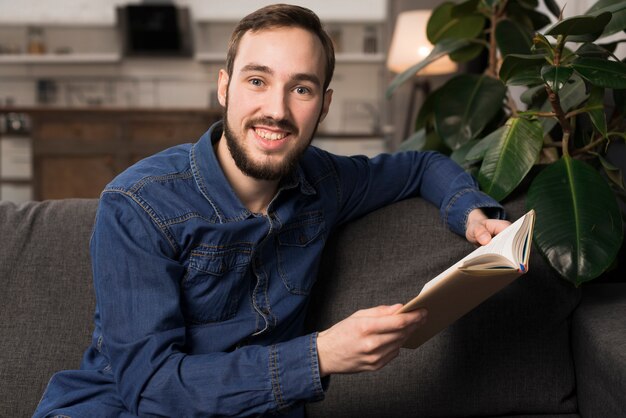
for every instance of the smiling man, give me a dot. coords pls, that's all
(204, 255)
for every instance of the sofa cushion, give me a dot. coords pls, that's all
(599, 346)
(45, 276)
(509, 356)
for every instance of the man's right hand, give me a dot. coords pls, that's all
(367, 340)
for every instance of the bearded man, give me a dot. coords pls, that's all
(204, 255)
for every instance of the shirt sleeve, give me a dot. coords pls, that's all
(137, 284)
(366, 184)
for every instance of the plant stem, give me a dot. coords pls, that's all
(492, 69)
(576, 112)
(589, 146)
(550, 144)
(561, 117)
(496, 14)
(543, 114)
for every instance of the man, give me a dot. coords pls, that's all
(204, 255)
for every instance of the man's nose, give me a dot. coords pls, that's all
(276, 106)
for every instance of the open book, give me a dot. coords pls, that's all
(473, 279)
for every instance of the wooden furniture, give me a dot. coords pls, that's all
(76, 152)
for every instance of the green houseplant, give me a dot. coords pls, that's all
(572, 88)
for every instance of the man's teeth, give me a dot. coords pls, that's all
(272, 136)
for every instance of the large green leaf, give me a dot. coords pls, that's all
(465, 8)
(510, 158)
(443, 48)
(527, 4)
(596, 109)
(596, 51)
(426, 115)
(459, 155)
(586, 28)
(512, 38)
(617, 8)
(556, 77)
(534, 96)
(553, 7)
(479, 150)
(468, 53)
(443, 25)
(467, 103)
(414, 142)
(600, 72)
(619, 97)
(522, 70)
(578, 226)
(532, 19)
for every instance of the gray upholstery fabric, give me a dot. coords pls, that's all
(47, 298)
(599, 344)
(509, 356)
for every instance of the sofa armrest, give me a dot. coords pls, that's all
(599, 347)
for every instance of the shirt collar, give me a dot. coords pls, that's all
(213, 184)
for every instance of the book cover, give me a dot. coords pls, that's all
(473, 279)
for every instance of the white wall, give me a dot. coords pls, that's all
(103, 11)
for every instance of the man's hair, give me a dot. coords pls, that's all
(279, 16)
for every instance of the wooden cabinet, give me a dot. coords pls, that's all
(77, 152)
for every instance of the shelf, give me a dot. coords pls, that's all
(346, 58)
(60, 58)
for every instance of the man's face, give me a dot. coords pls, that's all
(273, 100)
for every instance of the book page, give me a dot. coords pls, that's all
(501, 244)
(471, 280)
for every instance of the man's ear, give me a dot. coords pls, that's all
(328, 97)
(222, 87)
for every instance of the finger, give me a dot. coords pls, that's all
(481, 234)
(495, 226)
(380, 361)
(382, 310)
(392, 323)
(485, 230)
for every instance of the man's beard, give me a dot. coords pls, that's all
(264, 170)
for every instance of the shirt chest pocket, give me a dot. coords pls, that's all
(300, 245)
(214, 283)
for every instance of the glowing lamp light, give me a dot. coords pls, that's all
(409, 45)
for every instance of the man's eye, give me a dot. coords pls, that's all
(256, 82)
(302, 90)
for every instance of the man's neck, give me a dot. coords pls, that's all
(255, 194)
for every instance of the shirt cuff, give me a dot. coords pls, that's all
(456, 212)
(295, 371)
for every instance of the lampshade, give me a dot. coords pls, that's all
(409, 45)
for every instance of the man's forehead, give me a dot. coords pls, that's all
(285, 46)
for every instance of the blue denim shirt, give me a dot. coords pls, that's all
(201, 303)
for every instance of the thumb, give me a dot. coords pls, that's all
(482, 235)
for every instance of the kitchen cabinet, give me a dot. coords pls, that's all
(76, 152)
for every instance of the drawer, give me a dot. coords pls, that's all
(166, 133)
(87, 132)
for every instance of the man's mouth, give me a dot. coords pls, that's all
(270, 135)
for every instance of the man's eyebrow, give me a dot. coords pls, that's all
(267, 70)
(257, 68)
(307, 77)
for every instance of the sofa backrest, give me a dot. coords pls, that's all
(510, 356)
(47, 296)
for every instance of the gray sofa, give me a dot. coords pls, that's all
(538, 348)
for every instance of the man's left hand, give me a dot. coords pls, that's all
(480, 229)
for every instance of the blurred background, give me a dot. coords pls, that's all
(87, 87)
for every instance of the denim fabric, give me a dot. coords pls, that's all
(201, 303)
